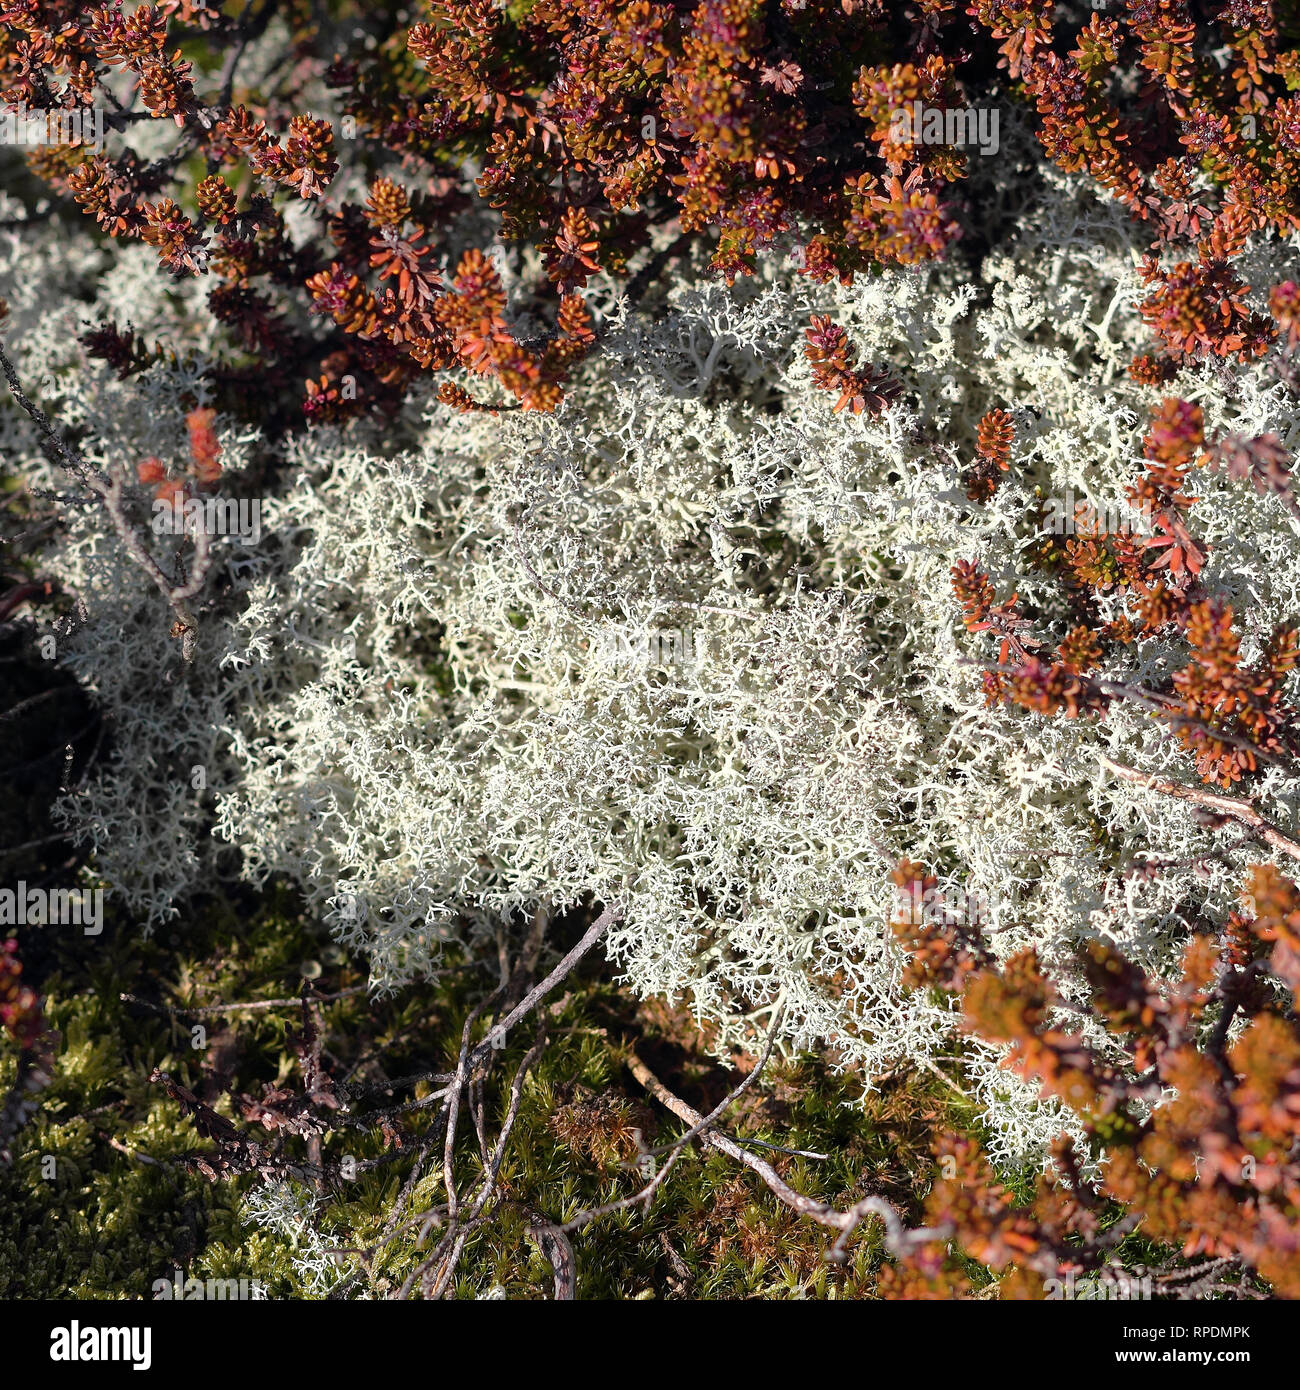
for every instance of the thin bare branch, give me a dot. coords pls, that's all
(202, 1011)
(110, 493)
(898, 1239)
(1233, 807)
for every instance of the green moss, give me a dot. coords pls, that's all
(101, 1220)
(109, 1222)
(115, 1211)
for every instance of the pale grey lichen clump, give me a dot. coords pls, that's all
(424, 695)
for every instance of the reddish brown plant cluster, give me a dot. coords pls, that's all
(1229, 715)
(996, 434)
(203, 468)
(20, 1006)
(832, 357)
(602, 130)
(1194, 1115)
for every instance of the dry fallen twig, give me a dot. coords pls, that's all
(699, 1127)
(898, 1239)
(458, 1220)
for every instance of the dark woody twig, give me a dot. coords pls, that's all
(109, 491)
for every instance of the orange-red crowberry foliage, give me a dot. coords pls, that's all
(596, 128)
(1230, 716)
(1193, 1113)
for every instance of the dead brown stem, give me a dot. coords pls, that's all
(1233, 807)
